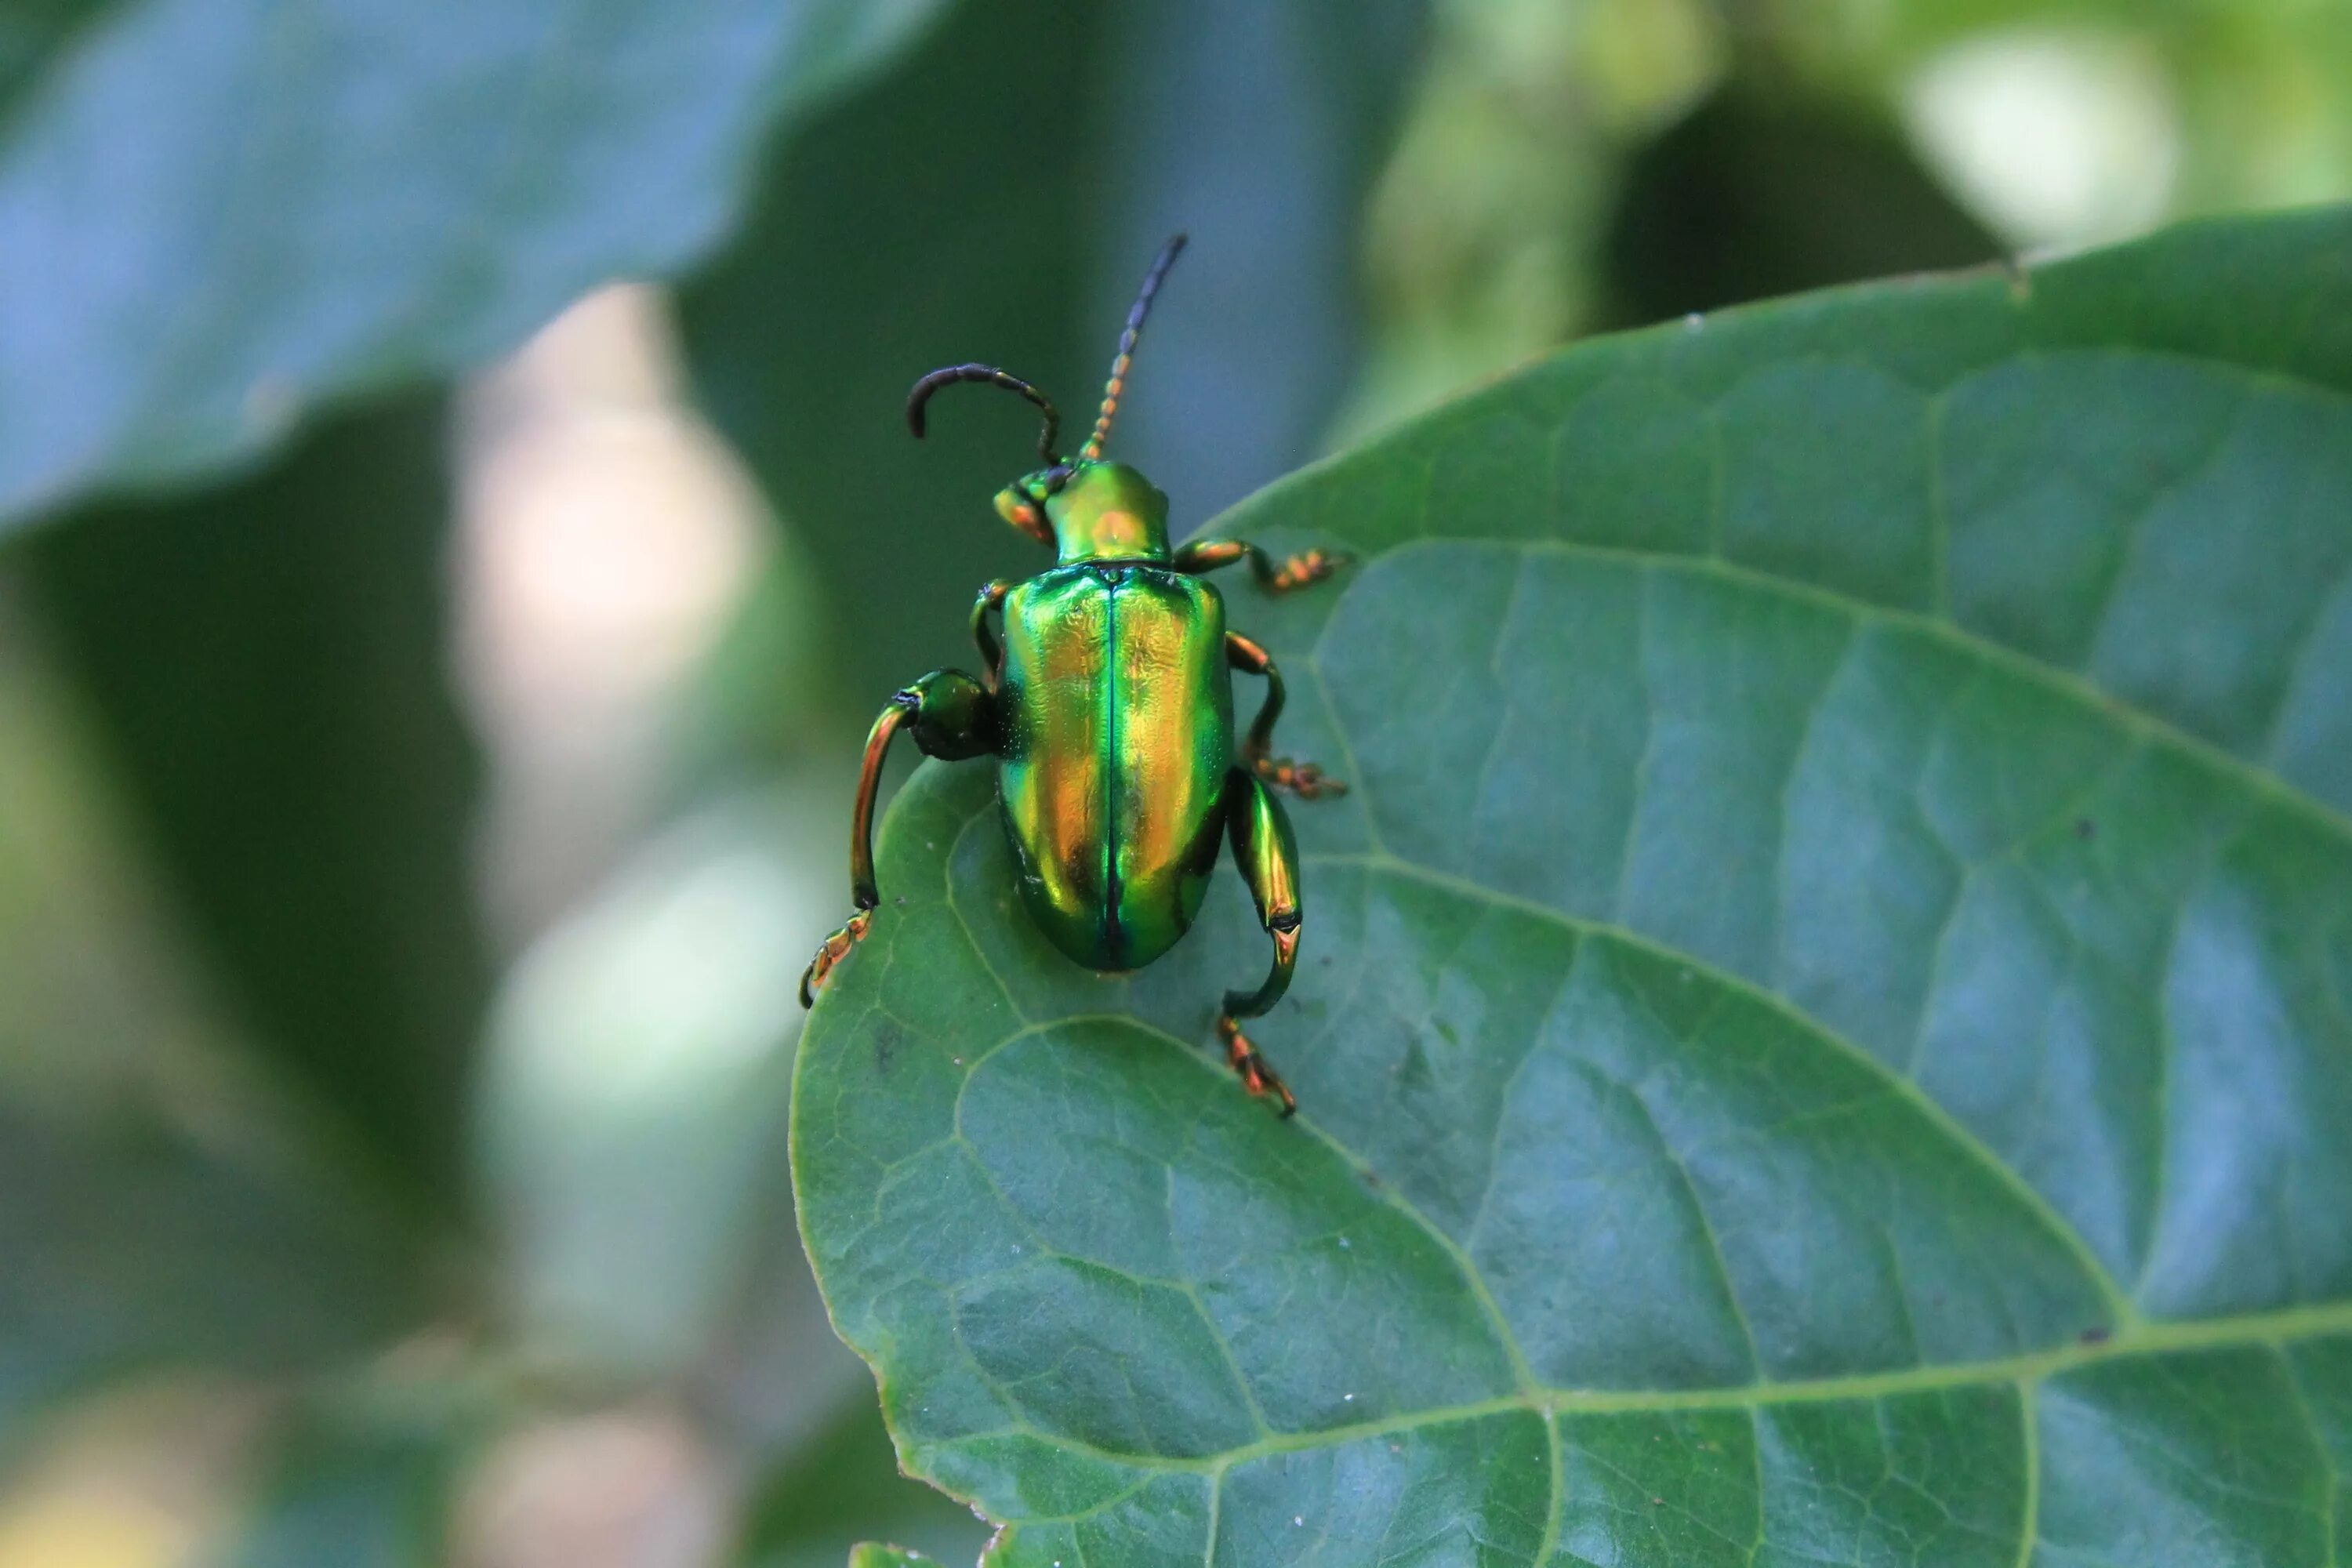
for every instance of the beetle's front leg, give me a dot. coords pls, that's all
(1268, 858)
(992, 652)
(953, 716)
(1309, 566)
(1303, 779)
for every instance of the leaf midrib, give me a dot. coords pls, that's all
(2271, 1330)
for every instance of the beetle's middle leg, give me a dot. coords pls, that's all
(992, 651)
(1285, 576)
(1268, 858)
(1302, 779)
(951, 717)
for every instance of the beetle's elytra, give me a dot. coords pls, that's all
(1106, 699)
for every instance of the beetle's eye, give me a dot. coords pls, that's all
(1023, 514)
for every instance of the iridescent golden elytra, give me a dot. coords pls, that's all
(1106, 698)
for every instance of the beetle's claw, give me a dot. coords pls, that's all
(836, 948)
(1308, 566)
(1304, 779)
(1256, 1076)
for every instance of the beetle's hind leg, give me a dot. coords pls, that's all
(951, 716)
(1268, 858)
(1304, 779)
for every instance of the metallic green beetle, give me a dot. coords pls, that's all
(1108, 702)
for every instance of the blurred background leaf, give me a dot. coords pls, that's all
(846, 1487)
(879, 1555)
(354, 1488)
(304, 205)
(267, 666)
(632, 1122)
(131, 1246)
(1749, 195)
(31, 33)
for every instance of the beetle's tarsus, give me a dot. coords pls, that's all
(1257, 1077)
(834, 948)
(1307, 567)
(1304, 779)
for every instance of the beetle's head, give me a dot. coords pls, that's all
(1087, 508)
(1089, 511)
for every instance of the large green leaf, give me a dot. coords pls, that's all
(216, 212)
(1825, 1024)
(995, 195)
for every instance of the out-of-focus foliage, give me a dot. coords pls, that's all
(828, 1501)
(132, 1246)
(1747, 196)
(356, 1488)
(31, 33)
(265, 665)
(633, 1106)
(269, 1103)
(300, 205)
(2049, 122)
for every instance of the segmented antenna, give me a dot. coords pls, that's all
(1127, 340)
(993, 376)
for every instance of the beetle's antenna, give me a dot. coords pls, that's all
(1118, 383)
(994, 377)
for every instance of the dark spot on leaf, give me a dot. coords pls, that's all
(2085, 828)
(887, 1038)
(2096, 1335)
(1414, 1066)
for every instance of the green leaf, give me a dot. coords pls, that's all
(266, 667)
(1821, 1031)
(995, 196)
(216, 214)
